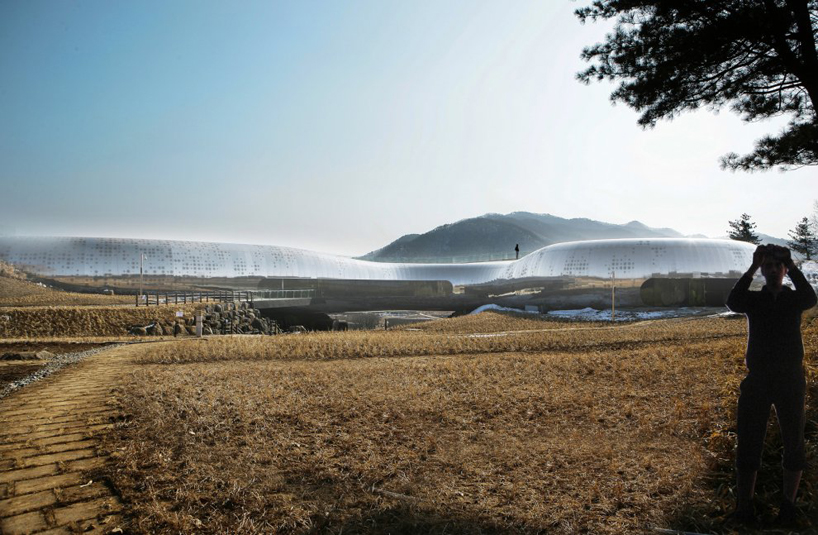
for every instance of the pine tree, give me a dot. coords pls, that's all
(742, 230)
(758, 58)
(803, 239)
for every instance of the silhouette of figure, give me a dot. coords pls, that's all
(517, 251)
(775, 374)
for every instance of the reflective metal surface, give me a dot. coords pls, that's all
(636, 259)
(110, 262)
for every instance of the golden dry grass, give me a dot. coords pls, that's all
(82, 321)
(493, 322)
(18, 292)
(574, 430)
(457, 339)
(28, 310)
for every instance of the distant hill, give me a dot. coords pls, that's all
(493, 237)
(772, 239)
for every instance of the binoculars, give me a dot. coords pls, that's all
(776, 252)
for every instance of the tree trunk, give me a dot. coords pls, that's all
(809, 54)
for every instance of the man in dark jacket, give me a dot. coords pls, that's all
(775, 377)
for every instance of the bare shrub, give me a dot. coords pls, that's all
(9, 271)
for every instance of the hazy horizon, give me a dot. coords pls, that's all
(340, 127)
(13, 233)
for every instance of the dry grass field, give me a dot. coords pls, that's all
(462, 337)
(566, 428)
(18, 292)
(491, 322)
(83, 321)
(29, 311)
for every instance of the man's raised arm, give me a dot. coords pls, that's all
(737, 300)
(803, 289)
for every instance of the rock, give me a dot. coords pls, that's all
(27, 355)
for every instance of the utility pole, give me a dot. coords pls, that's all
(141, 260)
(613, 295)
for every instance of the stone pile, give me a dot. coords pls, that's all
(27, 355)
(220, 318)
(233, 318)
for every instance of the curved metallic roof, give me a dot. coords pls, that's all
(636, 259)
(626, 258)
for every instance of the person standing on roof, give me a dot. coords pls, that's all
(774, 360)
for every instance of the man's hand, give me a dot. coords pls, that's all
(758, 258)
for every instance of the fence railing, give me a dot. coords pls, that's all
(149, 297)
(155, 298)
(283, 294)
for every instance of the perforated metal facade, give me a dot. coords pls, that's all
(636, 259)
(110, 261)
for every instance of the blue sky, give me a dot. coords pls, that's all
(340, 126)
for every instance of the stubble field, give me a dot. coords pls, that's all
(36, 313)
(544, 428)
(16, 291)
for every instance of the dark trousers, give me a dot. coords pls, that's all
(785, 392)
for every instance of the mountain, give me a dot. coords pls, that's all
(493, 237)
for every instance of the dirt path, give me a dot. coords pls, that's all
(48, 445)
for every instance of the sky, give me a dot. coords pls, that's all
(340, 126)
